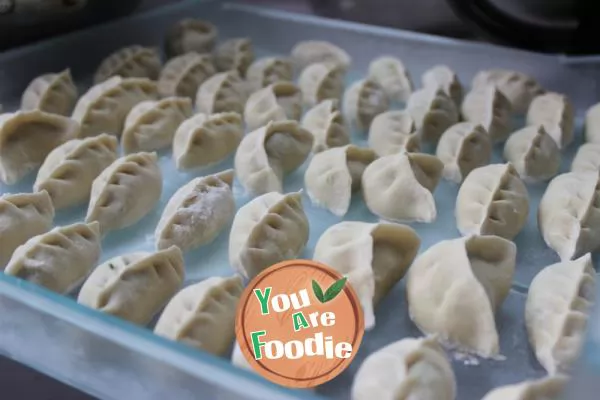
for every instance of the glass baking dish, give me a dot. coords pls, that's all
(110, 358)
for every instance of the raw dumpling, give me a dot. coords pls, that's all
(276, 102)
(321, 81)
(135, 286)
(22, 216)
(363, 101)
(327, 125)
(455, 287)
(556, 313)
(333, 175)
(374, 257)
(569, 214)
(407, 369)
(125, 191)
(197, 212)
(203, 140)
(267, 154)
(268, 70)
(183, 75)
(592, 124)
(52, 93)
(555, 113)
(151, 125)
(441, 76)
(520, 89)
(399, 187)
(224, 92)
(315, 51)
(58, 260)
(390, 74)
(533, 153)
(587, 158)
(130, 62)
(486, 105)
(104, 107)
(392, 132)
(492, 200)
(234, 54)
(69, 170)
(203, 315)
(433, 112)
(27, 137)
(269, 229)
(462, 148)
(546, 388)
(190, 35)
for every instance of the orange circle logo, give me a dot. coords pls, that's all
(299, 323)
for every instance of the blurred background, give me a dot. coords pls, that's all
(541, 25)
(562, 26)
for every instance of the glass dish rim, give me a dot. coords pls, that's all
(136, 338)
(147, 343)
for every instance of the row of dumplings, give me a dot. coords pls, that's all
(419, 368)
(152, 125)
(492, 200)
(453, 291)
(125, 192)
(481, 266)
(134, 287)
(268, 153)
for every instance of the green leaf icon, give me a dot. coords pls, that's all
(334, 290)
(318, 291)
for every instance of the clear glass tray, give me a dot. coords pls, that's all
(110, 358)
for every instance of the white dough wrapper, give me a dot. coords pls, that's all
(327, 125)
(190, 35)
(406, 369)
(569, 214)
(534, 153)
(269, 229)
(314, 51)
(203, 315)
(486, 105)
(363, 101)
(26, 139)
(54, 93)
(197, 212)
(546, 388)
(399, 187)
(587, 158)
(455, 287)
(462, 148)
(520, 89)
(393, 132)
(492, 200)
(559, 300)
(443, 77)
(392, 76)
(23, 216)
(60, 259)
(556, 114)
(433, 112)
(374, 257)
(335, 174)
(134, 286)
(266, 155)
